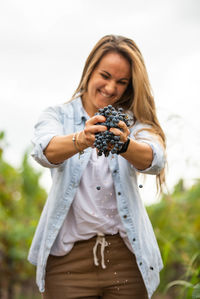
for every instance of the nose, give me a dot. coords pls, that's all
(110, 87)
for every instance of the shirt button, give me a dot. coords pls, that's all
(151, 268)
(119, 193)
(125, 216)
(133, 239)
(140, 263)
(115, 171)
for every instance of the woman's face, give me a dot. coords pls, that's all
(107, 83)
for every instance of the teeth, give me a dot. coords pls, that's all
(105, 95)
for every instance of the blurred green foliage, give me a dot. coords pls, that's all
(176, 222)
(175, 219)
(21, 202)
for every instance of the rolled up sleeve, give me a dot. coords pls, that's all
(48, 126)
(158, 163)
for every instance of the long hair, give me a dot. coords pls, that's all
(137, 97)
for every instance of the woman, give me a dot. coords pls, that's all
(94, 238)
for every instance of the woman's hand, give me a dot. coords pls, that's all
(86, 137)
(138, 154)
(123, 132)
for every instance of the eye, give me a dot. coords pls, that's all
(122, 82)
(104, 76)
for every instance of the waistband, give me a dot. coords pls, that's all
(101, 240)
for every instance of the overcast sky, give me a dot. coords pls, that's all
(43, 48)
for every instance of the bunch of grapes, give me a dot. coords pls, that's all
(106, 141)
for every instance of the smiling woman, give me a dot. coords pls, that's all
(107, 83)
(94, 200)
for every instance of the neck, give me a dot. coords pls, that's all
(87, 106)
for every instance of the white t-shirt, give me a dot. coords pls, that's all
(94, 208)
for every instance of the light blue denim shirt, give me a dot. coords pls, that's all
(66, 119)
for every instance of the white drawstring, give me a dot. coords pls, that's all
(102, 241)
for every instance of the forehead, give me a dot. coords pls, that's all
(115, 62)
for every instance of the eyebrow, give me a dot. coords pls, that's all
(110, 76)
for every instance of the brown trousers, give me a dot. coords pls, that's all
(75, 276)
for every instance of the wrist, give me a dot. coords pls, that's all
(124, 147)
(79, 142)
(76, 144)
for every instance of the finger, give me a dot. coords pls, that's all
(90, 131)
(118, 132)
(95, 129)
(95, 119)
(123, 126)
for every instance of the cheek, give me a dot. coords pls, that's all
(122, 89)
(94, 85)
(91, 88)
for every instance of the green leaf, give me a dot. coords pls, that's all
(184, 283)
(196, 291)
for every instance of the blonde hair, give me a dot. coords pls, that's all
(138, 96)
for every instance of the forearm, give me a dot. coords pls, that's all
(139, 154)
(61, 148)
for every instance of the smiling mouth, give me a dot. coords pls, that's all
(105, 95)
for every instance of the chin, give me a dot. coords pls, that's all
(102, 104)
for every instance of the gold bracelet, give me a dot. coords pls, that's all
(74, 139)
(77, 142)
